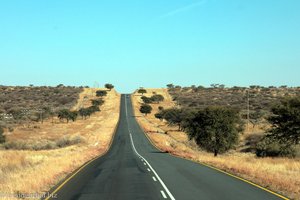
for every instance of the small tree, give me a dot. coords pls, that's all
(146, 99)
(101, 93)
(64, 114)
(157, 98)
(285, 121)
(2, 136)
(97, 102)
(142, 91)
(109, 86)
(214, 129)
(174, 116)
(159, 116)
(170, 86)
(84, 112)
(73, 115)
(67, 114)
(145, 109)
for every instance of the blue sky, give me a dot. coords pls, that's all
(150, 43)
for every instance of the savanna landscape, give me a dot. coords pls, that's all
(49, 132)
(150, 100)
(253, 157)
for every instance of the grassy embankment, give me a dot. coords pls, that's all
(30, 171)
(278, 174)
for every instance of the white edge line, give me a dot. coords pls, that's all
(163, 194)
(154, 172)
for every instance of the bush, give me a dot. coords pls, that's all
(146, 99)
(97, 102)
(269, 147)
(214, 129)
(146, 109)
(157, 98)
(285, 121)
(109, 86)
(101, 93)
(69, 140)
(142, 91)
(44, 145)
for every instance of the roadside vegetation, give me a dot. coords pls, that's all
(258, 141)
(60, 143)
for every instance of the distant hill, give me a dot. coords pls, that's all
(260, 98)
(26, 103)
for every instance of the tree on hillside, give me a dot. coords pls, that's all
(170, 86)
(101, 93)
(214, 129)
(174, 116)
(2, 136)
(97, 102)
(146, 99)
(142, 91)
(84, 112)
(286, 121)
(109, 86)
(157, 98)
(145, 109)
(159, 116)
(63, 114)
(67, 114)
(73, 115)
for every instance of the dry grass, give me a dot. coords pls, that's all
(27, 171)
(278, 174)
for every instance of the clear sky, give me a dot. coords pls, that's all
(134, 43)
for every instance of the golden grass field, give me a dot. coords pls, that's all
(29, 171)
(278, 174)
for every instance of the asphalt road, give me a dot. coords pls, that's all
(134, 169)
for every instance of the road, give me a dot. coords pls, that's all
(134, 169)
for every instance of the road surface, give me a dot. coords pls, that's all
(134, 169)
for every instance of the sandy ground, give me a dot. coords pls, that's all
(35, 172)
(278, 174)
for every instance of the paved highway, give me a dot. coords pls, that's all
(134, 169)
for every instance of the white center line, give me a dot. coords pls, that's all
(163, 194)
(154, 172)
(143, 159)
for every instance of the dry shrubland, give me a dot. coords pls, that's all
(278, 174)
(24, 105)
(54, 149)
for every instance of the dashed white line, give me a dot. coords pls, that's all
(163, 194)
(148, 169)
(145, 161)
(154, 172)
(153, 178)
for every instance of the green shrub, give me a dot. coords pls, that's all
(97, 102)
(269, 147)
(101, 93)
